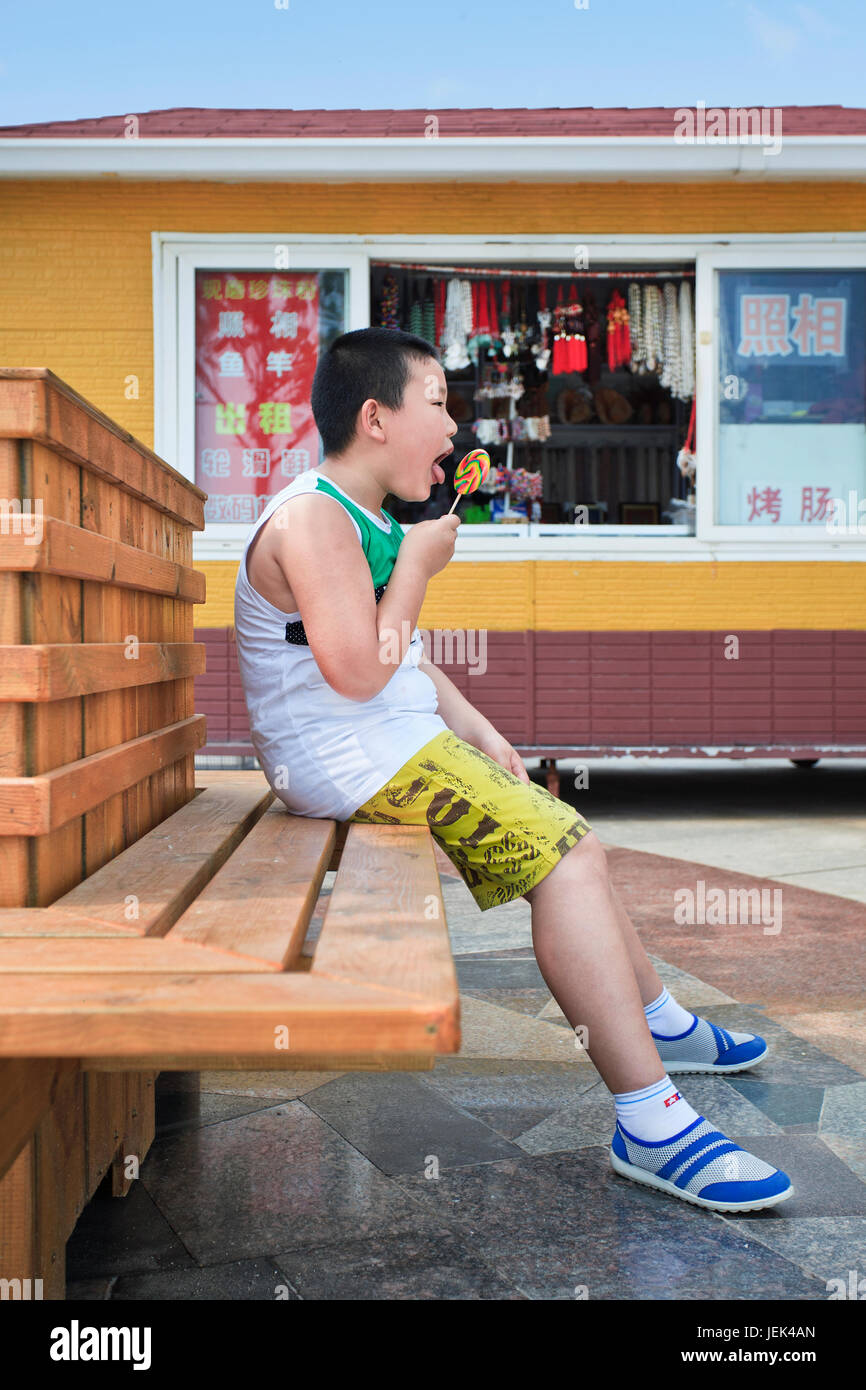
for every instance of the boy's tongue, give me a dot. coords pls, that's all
(438, 473)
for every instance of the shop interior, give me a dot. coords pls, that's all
(579, 383)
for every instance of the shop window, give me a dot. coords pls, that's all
(258, 337)
(792, 426)
(579, 384)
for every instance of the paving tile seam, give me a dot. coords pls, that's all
(168, 1223)
(390, 1176)
(832, 869)
(276, 1263)
(852, 1065)
(458, 1235)
(732, 1223)
(184, 1126)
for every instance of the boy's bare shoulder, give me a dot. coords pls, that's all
(302, 537)
(294, 519)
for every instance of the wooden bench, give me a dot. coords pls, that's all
(152, 919)
(191, 951)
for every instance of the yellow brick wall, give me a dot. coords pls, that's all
(76, 296)
(76, 290)
(598, 596)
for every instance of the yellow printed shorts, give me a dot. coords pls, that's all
(502, 835)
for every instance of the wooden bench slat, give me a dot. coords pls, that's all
(142, 1016)
(385, 920)
(38, 805)
(95, 956)
(260, 902)
(36, 922)
(66, 669)
(168, 866)
(65, 549)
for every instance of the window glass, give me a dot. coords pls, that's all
(258, 339)
(792, 428)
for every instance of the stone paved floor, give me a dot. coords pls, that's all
(321, 1184)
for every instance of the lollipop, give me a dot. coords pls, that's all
(470, 473)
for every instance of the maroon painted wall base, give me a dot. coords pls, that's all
(788, 694)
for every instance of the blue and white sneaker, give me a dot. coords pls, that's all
(702, 1166)
(706, 1047)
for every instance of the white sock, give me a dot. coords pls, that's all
(666, 1017)
(656, 1112)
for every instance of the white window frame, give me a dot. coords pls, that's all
(708, 348)
(174, 345)
(177, 255)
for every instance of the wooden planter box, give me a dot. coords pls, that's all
(98, 736)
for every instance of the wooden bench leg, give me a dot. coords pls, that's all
(97, 1122)
(18, 1261)
(138, 1129)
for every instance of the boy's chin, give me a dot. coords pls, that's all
(420, 494)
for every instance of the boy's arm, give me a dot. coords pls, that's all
(470, 724)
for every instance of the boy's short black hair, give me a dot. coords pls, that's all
(368, 363)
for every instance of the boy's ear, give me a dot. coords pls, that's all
(369, 418)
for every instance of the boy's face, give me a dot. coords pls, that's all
(419, 433)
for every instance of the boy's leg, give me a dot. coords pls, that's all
(584, 956)
(648, 980)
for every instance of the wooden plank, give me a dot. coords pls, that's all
(261, 900)
(65, 550)
(18, 1219)
(61, 1191)
(140, 807)
(27, 1091)
(67, 669)
(296, 1061)
(169, 866)
(14, 849)
(138, 1131)
(95, 955)
(179, 543)
(233, 777)
(35, 922)
(143, 1017)
(53, 614)
(385, 919)
(105, 715)
(36, 805)
(36, 404)
(105, 1103)
(337, 852)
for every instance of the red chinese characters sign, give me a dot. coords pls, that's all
(765, 503)
(257, 344)
(770, 326)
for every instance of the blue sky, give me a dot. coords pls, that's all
(60, 61)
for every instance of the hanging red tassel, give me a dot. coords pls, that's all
(494, 316)
(482, 324)
(439, 295)
(618, 332)
(476, 300)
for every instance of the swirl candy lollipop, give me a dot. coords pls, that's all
(470, 473)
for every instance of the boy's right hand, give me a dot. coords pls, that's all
(430, 544)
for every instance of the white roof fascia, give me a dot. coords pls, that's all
(486, 159)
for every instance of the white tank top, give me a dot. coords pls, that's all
(323, 754)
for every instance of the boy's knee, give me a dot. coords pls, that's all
(584, 861)
(588, 856)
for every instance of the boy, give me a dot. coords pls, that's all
(351, 722)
